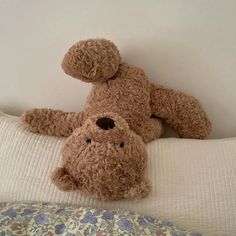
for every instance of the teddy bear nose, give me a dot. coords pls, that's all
(105, 123)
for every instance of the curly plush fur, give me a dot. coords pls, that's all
(104, 159)
(123, 89)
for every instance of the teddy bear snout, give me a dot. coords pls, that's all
(105, 123)
(105, 127)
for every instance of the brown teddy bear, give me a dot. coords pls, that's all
(123, 89)
(104, 159)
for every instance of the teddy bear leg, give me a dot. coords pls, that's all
(63, 180)
(151, 130)
(92, 60)
(138, 191)
(52, 122)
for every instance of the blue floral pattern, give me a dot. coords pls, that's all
(54, 219)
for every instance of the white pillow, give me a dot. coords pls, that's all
(193, 181)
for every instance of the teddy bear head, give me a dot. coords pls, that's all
(92, 60)
(105, 159)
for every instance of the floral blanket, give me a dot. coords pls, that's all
(54, 219)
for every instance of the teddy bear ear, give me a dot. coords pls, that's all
(92, 60)
(63, 180)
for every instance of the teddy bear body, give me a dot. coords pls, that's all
(128, 86)
(106, 162)
(124, 89)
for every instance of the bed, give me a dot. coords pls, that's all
(193, 181)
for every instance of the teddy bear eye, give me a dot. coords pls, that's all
(88, 140)
(122, 145)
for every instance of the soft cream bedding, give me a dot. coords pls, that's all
(193, 181)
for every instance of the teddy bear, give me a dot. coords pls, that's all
(105, 159)
(122, 89)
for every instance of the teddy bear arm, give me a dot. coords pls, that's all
(150, 130)
(52, 122)
(181, 112)
(139, 190)
(63, 180)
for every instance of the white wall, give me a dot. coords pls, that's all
(184, 44)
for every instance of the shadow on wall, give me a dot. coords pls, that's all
(14, 110)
